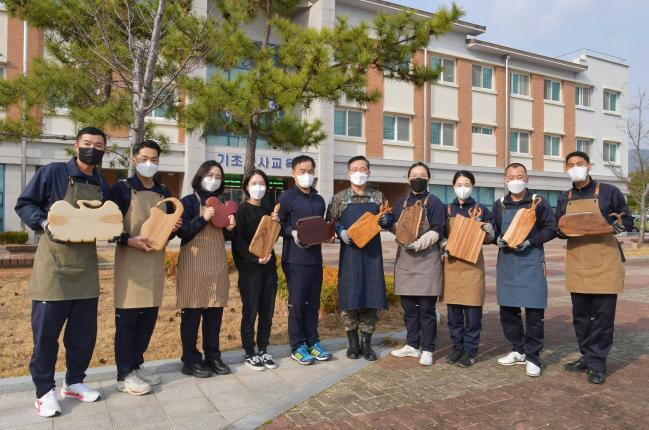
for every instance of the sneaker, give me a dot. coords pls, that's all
(319, 353)
(134, 385)
(576, 366)
(254, 362)
(147, 376)
(597, 378)
(511, 359)
(426, 358)
(465, 360)
(267, 359)
(80, 391)
(406, 351)
(454, 356)
(532, 369)
(302, 356)
(48, 405)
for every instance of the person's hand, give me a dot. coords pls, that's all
(501, 242)
(618, 228)
(561, 235)
(409, 246)
(265, 260)
(345, 237)
(274, 216)
(523, 246)
(297, 241)
(442, 247)
(47, 231)
(487, 228)
(425, 241)
(384, 221)
(139, 242)
(208, 213)
(233, 223)
(178, 224)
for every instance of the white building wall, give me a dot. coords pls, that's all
(443, 102)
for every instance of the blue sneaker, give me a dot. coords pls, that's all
(302, 356)
(319, 353)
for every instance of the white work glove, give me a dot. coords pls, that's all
(489, 229)
(297, 242)
(501, 242)
(425, 241)
(345, 237)
(618, 228)
(442, 247)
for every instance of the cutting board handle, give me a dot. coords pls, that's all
(385, 208)
(535, 203)
(90, 204)
(178, 207)
(276, 209)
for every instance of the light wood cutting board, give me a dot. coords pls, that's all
(266, 235)
(89, 222)
(160, 224)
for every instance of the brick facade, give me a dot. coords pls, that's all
(465, 113)
(536, 138)
(568, 117)
(374, 117)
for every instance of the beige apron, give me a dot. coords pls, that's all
(139, 275)
(67, 271)
(593, 263)
(202, 279)
(464, 282)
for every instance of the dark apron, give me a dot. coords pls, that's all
(520, 276)
(361, 281)
(67, 271)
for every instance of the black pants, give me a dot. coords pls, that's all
(133, 331)
(465, 324)
(190, 319)
(421, 321)
(304, 287)
(258, 291)
(593, 316)
(79, 340)
(526, 340)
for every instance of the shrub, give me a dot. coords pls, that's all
(171, 263)
(13, 237)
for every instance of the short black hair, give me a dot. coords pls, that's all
(93, 131)
(204, 170)
(578, 154)
(464, 174)
(515, 165)
(246, 180)
(358, 158)
(417, 164)
(147, 144)
(301, 159)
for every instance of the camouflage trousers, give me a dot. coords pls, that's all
(365, 319)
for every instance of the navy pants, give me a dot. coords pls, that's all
(465, 324)
(593, 316)
(258, 292)
(304, 287)
(79, 339)
(133, 331)
(421, 321)
(526, 340)
(190, 319)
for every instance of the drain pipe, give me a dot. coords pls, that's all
(507, 110)
(425, 142)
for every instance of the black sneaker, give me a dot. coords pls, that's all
(254, 362)
(465, 360)
(454, 356)
(576, 366)
(597, 378)
(267, 360)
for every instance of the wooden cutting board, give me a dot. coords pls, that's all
(367, 226)
(466, 238)
(314, 230)
(521, 225)
(409, 223)
(160, 224)
(584, 224)
(221, 211)
(89, 222)
(266, 235)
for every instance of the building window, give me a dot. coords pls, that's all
(442, 133)
(482, 130)
(2, 72)
(611, 152)
(611, 100)
(164, 110)
(232, 140)
(552, 90)
(583, 145)
(396, 128)
(520, 84)
(582, 96)
(482, 77)
(552, 197)
(552, 146)
(519, 142)
(448, 69)
(348, 123)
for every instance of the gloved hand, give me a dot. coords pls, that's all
(489, 229)
(442, 247)
(386, 221)
(47, 231)
(425, 241)
(501, 242)
(523, 246)
(345, 237)
(409, 246)
(561, 235)
(618, 228)
(297, 242)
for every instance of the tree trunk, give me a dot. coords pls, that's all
(643, 215)
(136, 136)
(251, 148)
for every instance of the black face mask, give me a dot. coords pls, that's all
(90, 156)
(418, 184)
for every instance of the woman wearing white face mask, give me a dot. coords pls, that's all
(257, 276)
(202, 279)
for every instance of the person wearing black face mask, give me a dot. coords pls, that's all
(418, 268)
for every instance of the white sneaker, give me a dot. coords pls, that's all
(134, 385)
(406, 351)
(80, 392)
(48, 405)
(511, 359)
(147, 376)
(532, 369)
(426, 358)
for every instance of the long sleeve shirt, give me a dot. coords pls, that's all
(192, 219)
(545, 228)
(294, 205)
(435, 210)
(248, 217)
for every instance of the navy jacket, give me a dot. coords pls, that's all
(546, 222)
(435, 211)
(49, 185)
(294, 204)
(611, 200)
(193, 221)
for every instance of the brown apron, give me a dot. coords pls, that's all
(419, 273)
(139, 275)
(202, 279)
(67, 271)
(464, 282)
(593, 263)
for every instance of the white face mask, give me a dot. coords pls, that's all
(305, 181)
(463, 193)
(578, 173)
(516, 186)
(210, 184)
(147, 169)
(358, 178)
(257, 191)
